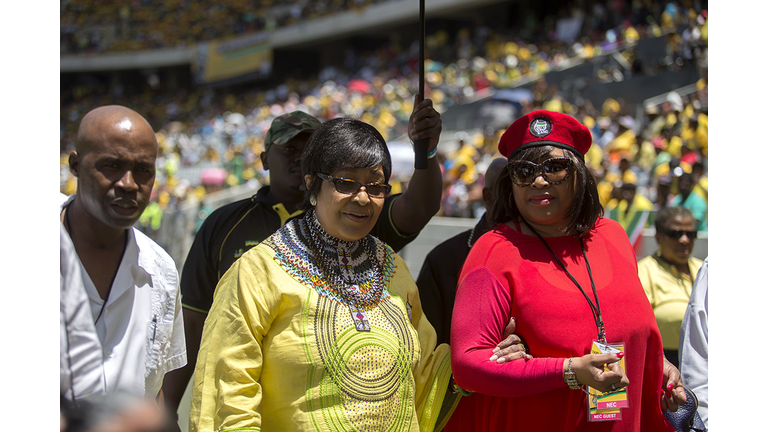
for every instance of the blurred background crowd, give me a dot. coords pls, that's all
(649, 155)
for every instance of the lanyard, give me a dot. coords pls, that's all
(596, 314)
(125, 246)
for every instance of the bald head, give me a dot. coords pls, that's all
(107, 120)
(114, 162)
(491, 175)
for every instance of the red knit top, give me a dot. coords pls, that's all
(509, 274)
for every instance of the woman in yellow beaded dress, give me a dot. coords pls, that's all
(319, 327)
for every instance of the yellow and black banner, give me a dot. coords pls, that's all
(225, 59)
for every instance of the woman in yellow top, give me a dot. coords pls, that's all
(320, 327)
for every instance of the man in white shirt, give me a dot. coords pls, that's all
(80, 367)
(131, 282)
(694, 342)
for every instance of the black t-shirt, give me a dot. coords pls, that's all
(439, 277)
(233, 229)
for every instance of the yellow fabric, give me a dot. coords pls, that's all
(675, 146)
(283, 213)
(604, 190)
(464, 157)
(623, 143)
(628, 176)
(610, 106)
(668, 291)
(275, 356)
(594, 156)
(702, 134)
(702, 188)
(624, 217)
(646, 155)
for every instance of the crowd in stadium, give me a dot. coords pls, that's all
(209, 127)
(89, 26)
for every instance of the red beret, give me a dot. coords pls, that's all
(545, 128)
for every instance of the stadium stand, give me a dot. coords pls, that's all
(635, 73)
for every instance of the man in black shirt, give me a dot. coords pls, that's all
(439, 274)
(235, 228)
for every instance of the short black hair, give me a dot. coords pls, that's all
(586, 202)
(667, 214)
(343, 143)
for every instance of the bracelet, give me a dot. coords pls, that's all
(456, 389)
(570, 377)
(432, 154)
(573, 383)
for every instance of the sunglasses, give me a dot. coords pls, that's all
(676, 234)
(351, 187)
(524, 173)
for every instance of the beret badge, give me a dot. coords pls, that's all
(540, 127)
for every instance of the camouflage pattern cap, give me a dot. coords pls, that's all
(289, 125)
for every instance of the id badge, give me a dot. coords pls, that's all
(606, 407)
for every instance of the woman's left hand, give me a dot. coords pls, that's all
(512, 347)
(674, 394)
(425, 122)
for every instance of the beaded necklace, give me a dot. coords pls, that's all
(353, 273)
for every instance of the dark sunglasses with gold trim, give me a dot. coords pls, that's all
(676, 234)
(352, 187)
(524, 173)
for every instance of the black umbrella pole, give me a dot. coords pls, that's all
(421, 146)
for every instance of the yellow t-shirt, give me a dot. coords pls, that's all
(668, 291)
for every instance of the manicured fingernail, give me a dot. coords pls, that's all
(500, 360)
(670, 387)
(620, 355)
(494, 357)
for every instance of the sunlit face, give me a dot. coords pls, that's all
(344, 216)
(677, 251)
(115, 176)
(544, 205)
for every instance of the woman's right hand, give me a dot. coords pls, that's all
(590, 370)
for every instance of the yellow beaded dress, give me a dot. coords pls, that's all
(311, 333)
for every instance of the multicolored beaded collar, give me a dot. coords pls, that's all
(352, 273)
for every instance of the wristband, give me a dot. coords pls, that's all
(432, 154)
(456, 389)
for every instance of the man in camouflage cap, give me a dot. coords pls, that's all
(233, 229)
(287, 126)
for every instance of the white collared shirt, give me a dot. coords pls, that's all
(81, 374)
(141, 328)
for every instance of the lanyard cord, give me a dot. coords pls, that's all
(596, 314)
(109, 290)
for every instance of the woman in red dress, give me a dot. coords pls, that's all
(569, 277)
